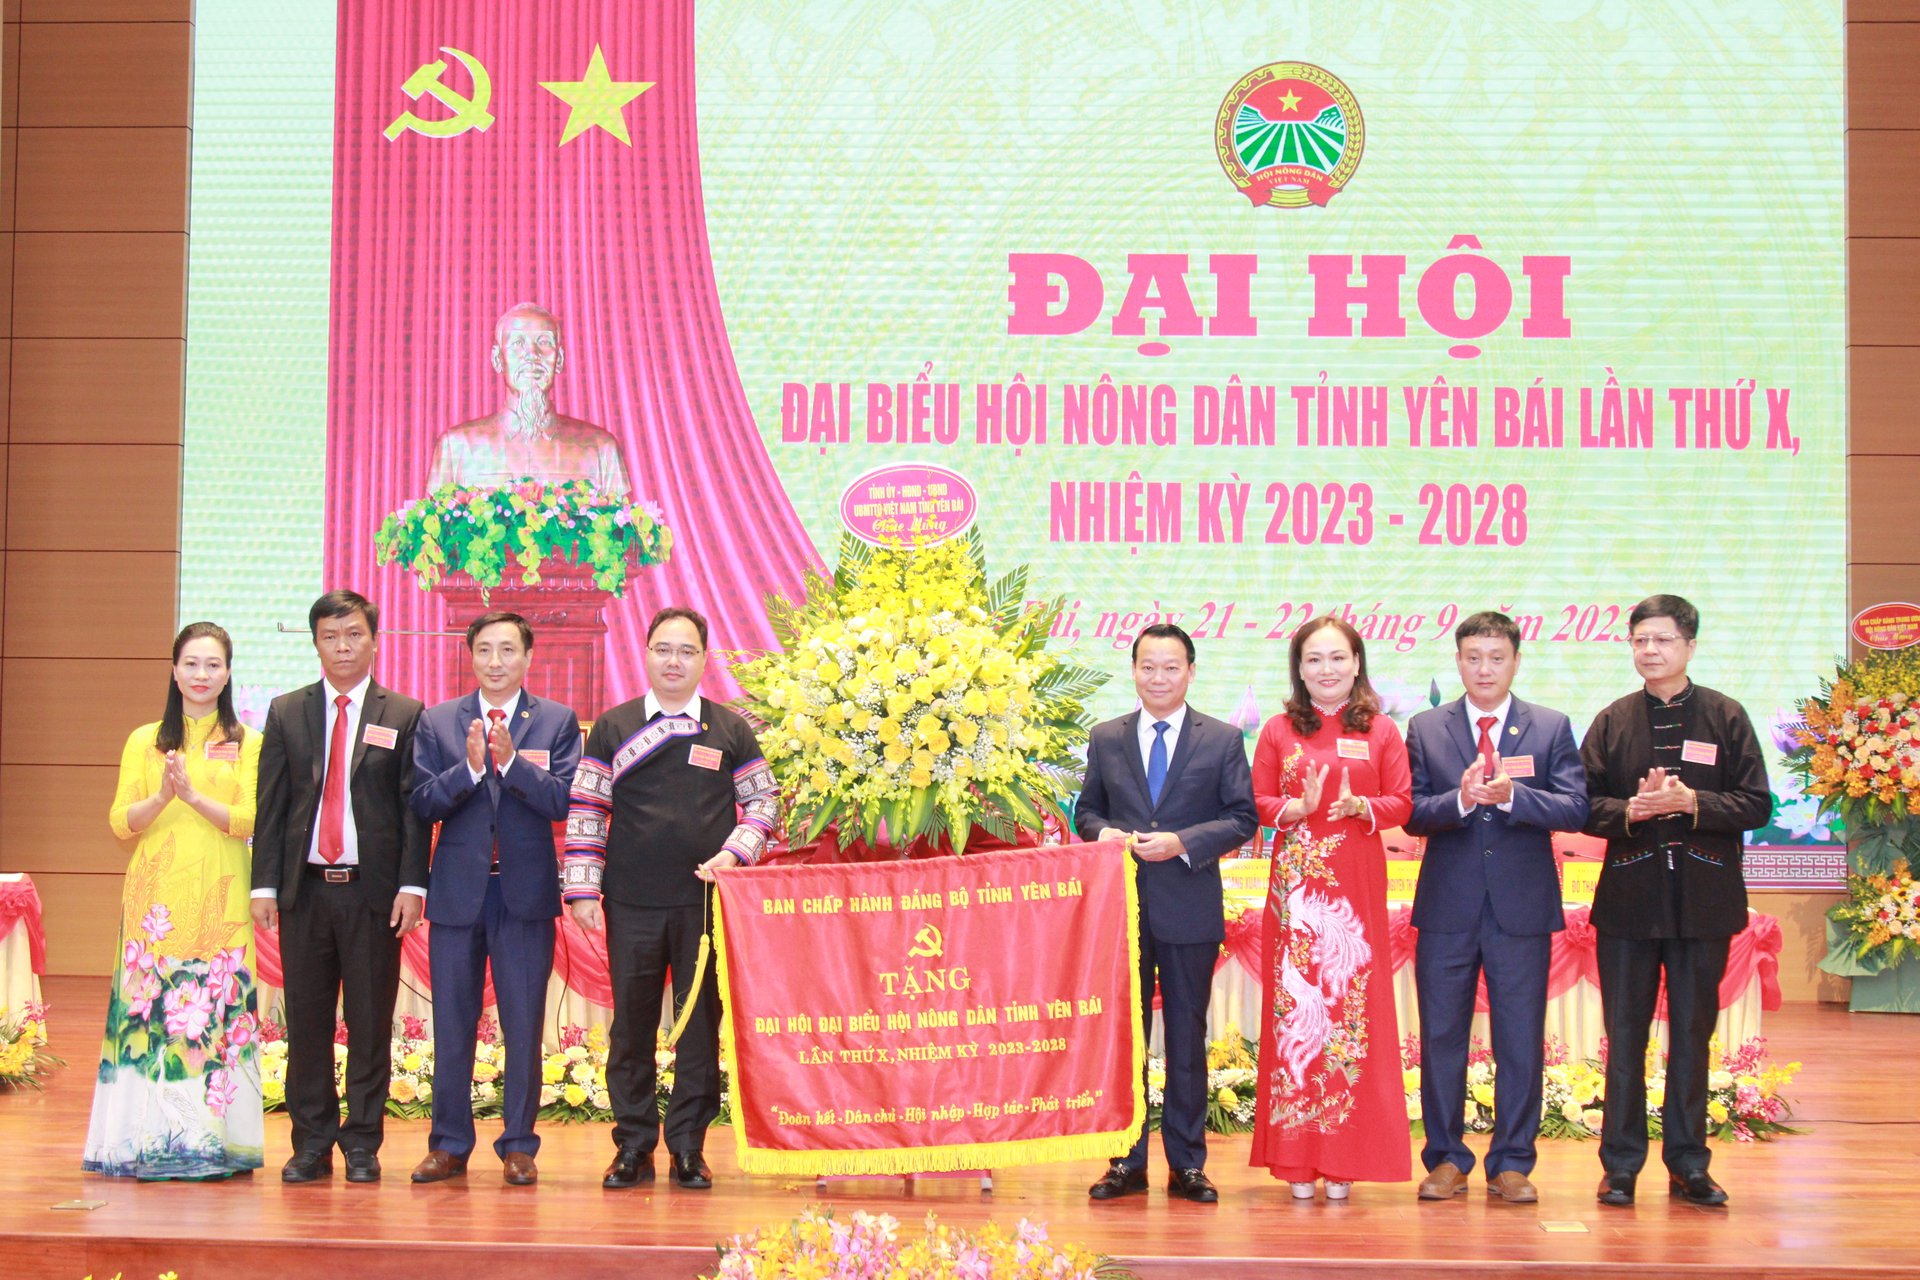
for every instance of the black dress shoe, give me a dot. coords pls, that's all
(362, 1165)
(1696, 1188)
(1191, 1184)
(308, 1166)
(1616, 1189)
(630, 1167)
(1118, 1181)
(690, 1171)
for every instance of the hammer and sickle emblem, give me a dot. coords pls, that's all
(468, 113)
(926, 942)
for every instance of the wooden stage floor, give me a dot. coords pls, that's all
(1825, 1203)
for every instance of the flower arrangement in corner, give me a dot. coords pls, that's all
(913, 698)
(1232, 1083)
(1744, 1098)
(525, 524)
(23, 1055)
(871, 1246)
(1857, 749)
(573, 1078)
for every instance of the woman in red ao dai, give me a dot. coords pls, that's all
(1330, 773)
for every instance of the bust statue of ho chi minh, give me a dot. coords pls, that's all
(525, 437)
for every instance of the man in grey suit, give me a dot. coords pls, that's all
(1178, 783)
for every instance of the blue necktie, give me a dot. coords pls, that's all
(1157, 761)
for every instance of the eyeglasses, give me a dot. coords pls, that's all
(684, 652)
(1665, 640)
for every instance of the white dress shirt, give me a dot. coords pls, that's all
(651, 705)
(1474, 716)
(1176, 721)
(485, 706)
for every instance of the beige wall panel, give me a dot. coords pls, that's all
(1883, 182)
(1880, 491)
(76, 711)
(1880, 63)
(106, 73)
(6, 284)
(91, 604)
(10, 70)
(54, 818)
(9, 143)
(82, 914)
(97, 390)
(1871, 584)
(82, 497)
(1883, 280)
(104, 10)
(1803, 930)
(1883, 388)
(102, 180)
(100, 284)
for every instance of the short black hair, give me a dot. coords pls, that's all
(340, 604)
(1487, 622)
(486, 620)
(1685, 617)
(1163, 631)
(673, 611)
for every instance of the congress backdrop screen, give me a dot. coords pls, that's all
(1225, 316)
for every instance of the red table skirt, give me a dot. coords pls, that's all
(20, 906)
(1755, 952)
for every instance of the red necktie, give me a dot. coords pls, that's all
(333, 796)
(1486, 724)
(495, 715)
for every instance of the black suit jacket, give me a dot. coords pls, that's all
(393, 842)
(1733, 798)
(1207, 800)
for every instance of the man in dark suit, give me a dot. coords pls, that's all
(339, 858)
(1677, 778)
(494, 769)
(1178, 783)
(1493, 779)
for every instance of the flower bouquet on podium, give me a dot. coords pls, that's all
(911, 701)
(526, 525)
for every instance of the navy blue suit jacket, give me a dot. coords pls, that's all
(518, 808)
(1207, 800)
(1507, 857)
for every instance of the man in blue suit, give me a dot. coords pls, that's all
(1178, 783)
(494, 768)
(1493, 779)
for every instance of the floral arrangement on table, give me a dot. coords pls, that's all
(573, 1078)
(910, 694)
(480, 531)
(1232, 1083)
(1744, 1098)
(23, 1055)
(870, 1246)
(1857, 750)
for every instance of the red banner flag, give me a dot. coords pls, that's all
(954, 1013)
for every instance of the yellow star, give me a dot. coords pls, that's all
(597, 100)
(1288, 100)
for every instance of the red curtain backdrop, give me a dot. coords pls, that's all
(434, 237)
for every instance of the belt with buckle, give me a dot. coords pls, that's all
(333, 875)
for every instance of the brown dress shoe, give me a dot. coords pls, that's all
(1512, 1186)
(1444, 1183)
(519, 1170)
(439, 1166)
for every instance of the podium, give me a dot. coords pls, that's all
(568, 614)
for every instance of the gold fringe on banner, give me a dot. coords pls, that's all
(962, 1156)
